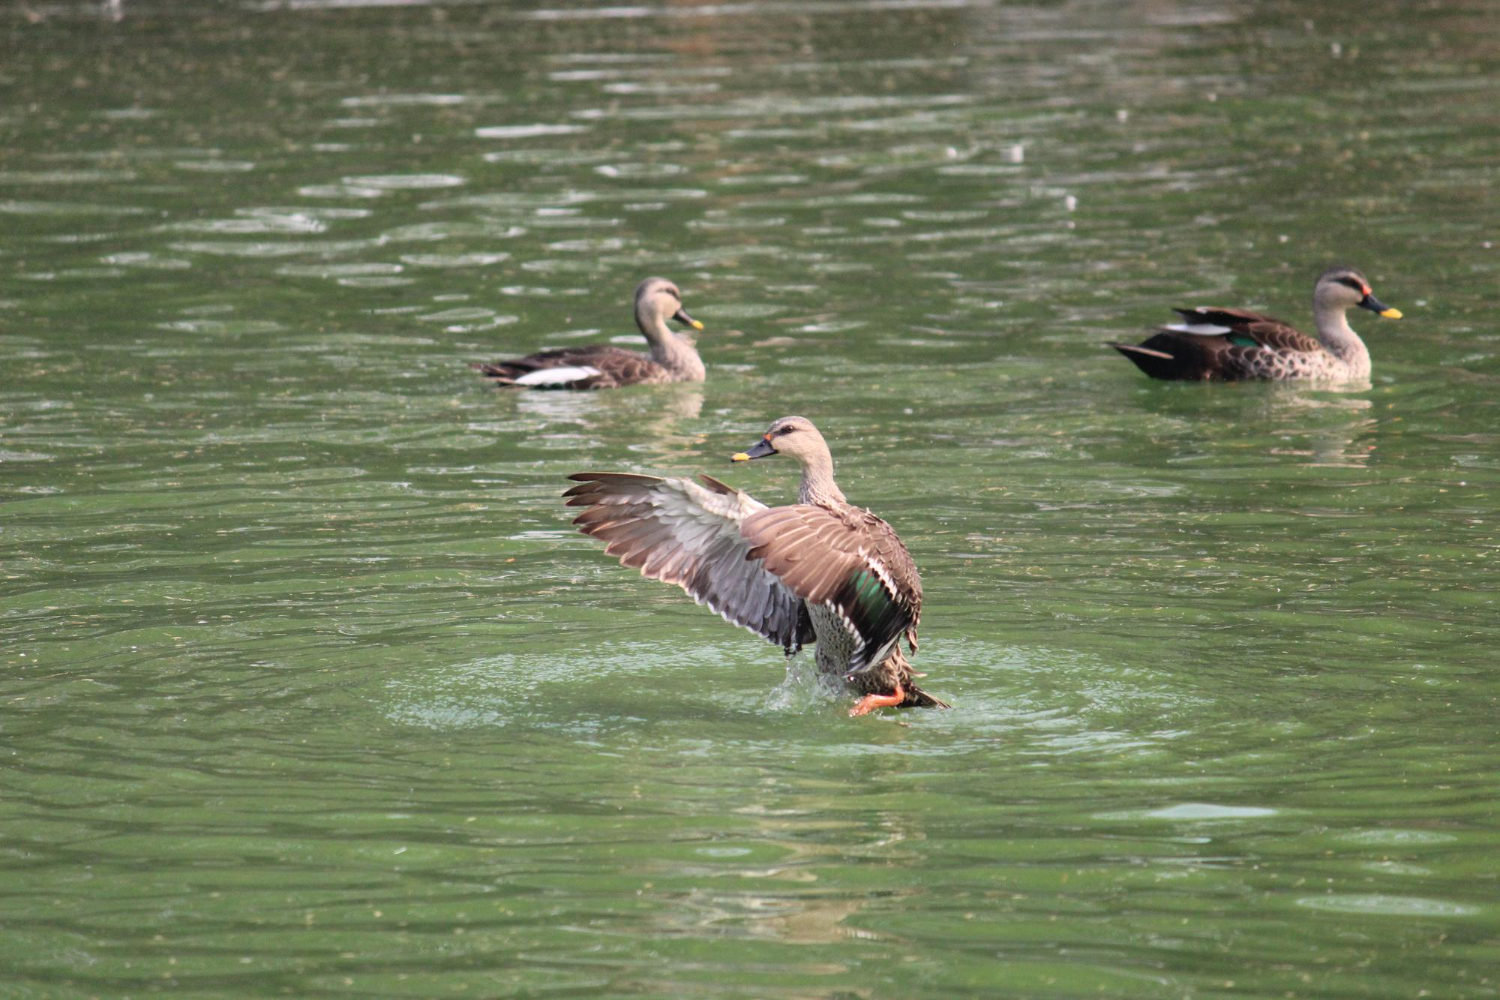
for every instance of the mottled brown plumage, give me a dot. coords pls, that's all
(1173, 354)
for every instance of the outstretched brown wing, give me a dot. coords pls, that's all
(850, 562)
(679, 532)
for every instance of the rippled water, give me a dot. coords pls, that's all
(311, 689)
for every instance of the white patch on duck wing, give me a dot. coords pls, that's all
(1206, 329)
(561, 375)
(883, 574)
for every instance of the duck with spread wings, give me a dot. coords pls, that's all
(818, 571)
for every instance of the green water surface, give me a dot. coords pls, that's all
(309, 688)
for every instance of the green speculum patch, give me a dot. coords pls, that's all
(869, 592)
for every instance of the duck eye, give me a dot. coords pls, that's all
(785, 431)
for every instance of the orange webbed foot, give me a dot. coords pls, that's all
(871, 702)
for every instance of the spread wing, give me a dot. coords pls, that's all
(680, 532)
(598, 366)
(849, 562)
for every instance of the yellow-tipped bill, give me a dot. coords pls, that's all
(759, 449)
(1378, 307)
(696, 325)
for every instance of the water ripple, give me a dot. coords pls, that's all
(403, 182)
(527, 131)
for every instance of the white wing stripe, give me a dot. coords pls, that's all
(1206, 329)
(557, 376)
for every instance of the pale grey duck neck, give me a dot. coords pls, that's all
(676, 354)
(1340, 339)
(818, 486)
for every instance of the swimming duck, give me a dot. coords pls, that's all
(604, 366)
(818, 571)
(1230, 344)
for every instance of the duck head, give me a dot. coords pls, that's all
(794, 436)
(656, 301)
(1341, 288)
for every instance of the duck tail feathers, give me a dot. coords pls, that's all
(917, 698)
